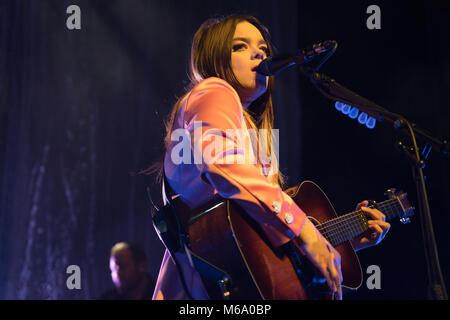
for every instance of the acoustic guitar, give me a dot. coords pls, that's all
(222, 234)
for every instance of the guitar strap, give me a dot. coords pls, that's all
(178, 241)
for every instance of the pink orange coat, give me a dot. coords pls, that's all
(216, 105)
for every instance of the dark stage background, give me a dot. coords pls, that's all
(81, 111)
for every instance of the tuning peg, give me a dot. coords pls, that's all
(405, 220)
(390, 193)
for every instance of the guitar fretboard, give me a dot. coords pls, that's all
(350, 225)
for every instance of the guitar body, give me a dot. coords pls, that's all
(312, 200)
(229, 239)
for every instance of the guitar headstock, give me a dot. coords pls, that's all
(407, 210)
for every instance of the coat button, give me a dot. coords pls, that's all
(276, 206)
(288, 217)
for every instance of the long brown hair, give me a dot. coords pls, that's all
(211, 57)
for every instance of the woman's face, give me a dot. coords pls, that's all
(248, 50)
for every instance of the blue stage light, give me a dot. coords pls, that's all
(353, 113)
(362, 118)
(371, 123)
(338, 105)
(346, 109)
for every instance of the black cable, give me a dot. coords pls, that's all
(180, 240)
(168, 246)
(181, 244)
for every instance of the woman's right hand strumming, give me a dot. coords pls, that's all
(323, 256)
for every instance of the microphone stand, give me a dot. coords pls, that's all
(334, 91)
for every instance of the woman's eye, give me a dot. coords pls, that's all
(265, 49)
(238, 47)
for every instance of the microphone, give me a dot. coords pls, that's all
(273, 65)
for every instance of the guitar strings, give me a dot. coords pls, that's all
(337, 224)
(350, 213)
(342, 227)
(340, 219)
(338, 233)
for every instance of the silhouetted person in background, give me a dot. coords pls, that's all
(128, 265)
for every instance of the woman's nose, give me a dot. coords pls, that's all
(259, 54)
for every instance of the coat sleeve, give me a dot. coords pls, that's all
(214, 119)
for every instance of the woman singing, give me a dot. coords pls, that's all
(227, 96)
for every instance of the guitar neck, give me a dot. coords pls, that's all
(351, 225)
